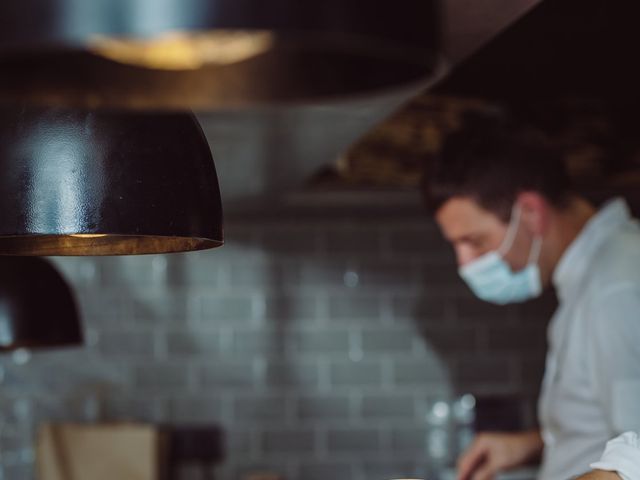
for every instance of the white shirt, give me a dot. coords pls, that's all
(622, 455)
(591, 388)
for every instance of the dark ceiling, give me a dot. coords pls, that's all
(560, 49)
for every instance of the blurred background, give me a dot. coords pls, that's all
(331, 336)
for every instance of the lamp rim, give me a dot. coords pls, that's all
(69, 244)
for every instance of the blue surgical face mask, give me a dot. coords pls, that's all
(491, 279)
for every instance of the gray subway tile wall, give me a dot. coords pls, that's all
(317, 345)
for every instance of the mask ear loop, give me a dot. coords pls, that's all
(512, 230)
(536, 246)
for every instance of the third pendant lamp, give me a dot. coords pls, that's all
(80, 182)
(210, 54)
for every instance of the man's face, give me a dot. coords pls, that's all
(474, 231)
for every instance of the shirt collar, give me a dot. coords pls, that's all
(576, 259)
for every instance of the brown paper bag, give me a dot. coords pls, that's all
(69, 451)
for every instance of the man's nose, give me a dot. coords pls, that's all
(464, 255)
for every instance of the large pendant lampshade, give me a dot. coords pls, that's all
(104, 183)
(207, 54)
(37, 309)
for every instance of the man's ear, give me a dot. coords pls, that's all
(535, 212)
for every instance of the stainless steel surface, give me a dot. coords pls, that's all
(470, 24)
(271, 151)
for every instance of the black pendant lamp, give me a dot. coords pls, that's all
(37, 309)
(105, 183)
(208, 54)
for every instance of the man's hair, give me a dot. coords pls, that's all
(491, 160)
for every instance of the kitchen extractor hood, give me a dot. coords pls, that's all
(283, 147)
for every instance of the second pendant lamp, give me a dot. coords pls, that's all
(37, 308)
(104, 183)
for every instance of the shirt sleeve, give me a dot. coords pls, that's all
(614, 355)
(622, 455)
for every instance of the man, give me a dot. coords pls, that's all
(502, 198)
